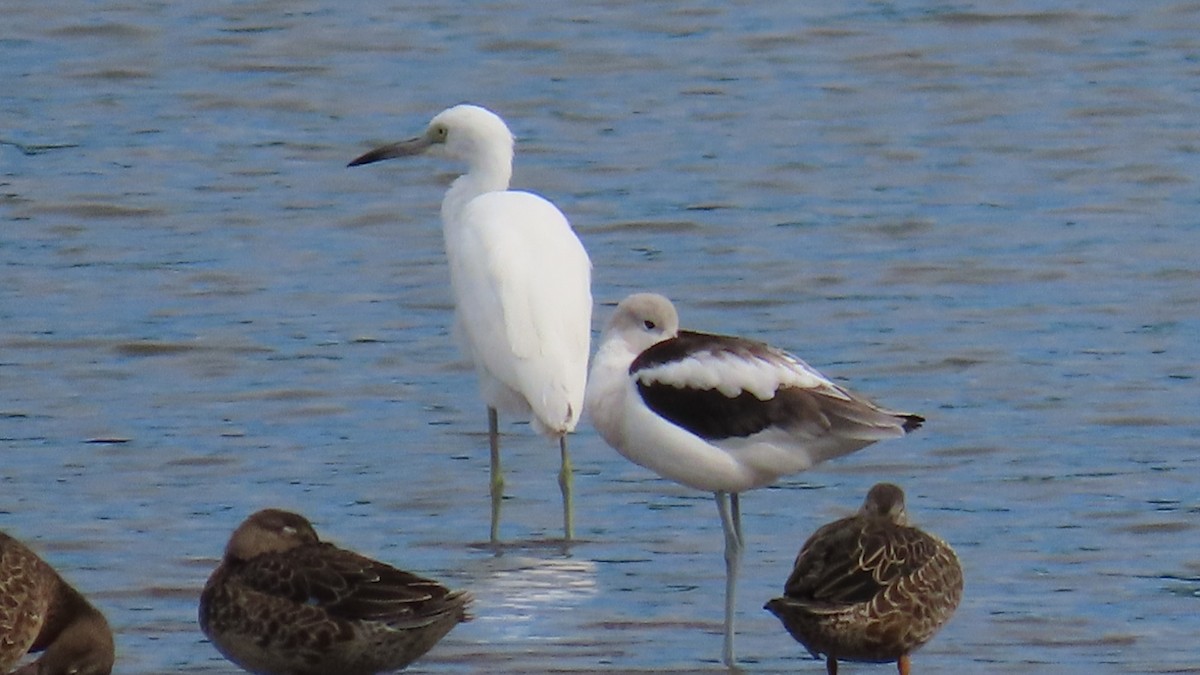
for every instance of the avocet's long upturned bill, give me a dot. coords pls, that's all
(521, 283)
(721, 414)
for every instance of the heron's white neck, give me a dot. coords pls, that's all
(489, 171)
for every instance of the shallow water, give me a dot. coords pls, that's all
(983, 213)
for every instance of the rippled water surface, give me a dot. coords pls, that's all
(982, 212)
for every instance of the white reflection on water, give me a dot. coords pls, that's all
(514, 593)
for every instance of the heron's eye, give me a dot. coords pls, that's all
(649, 324)
(439, 133)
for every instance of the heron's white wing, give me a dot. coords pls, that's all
(523, 290)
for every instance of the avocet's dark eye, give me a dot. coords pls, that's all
(649, 324)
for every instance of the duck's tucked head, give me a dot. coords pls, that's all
(85, 647)
(642, 320)
(269, 531)
(885, 501)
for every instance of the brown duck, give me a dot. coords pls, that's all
(41, 612)
(870, 587)
(284, 603)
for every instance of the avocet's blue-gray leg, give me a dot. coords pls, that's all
(565, 480)
(731, 524)
(497, 477)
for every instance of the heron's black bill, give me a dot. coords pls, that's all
(413, 146)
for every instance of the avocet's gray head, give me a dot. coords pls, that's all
(643, 320)
(466, 132)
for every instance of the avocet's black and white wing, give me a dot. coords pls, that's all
(720, 387)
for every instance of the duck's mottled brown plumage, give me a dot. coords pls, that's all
(870, 587)
(39, 611)
(284, 603)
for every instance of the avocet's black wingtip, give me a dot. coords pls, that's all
(912, 422)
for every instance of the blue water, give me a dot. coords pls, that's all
(985, 213)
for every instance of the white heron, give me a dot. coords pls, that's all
(721, 414)
(521, 282)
